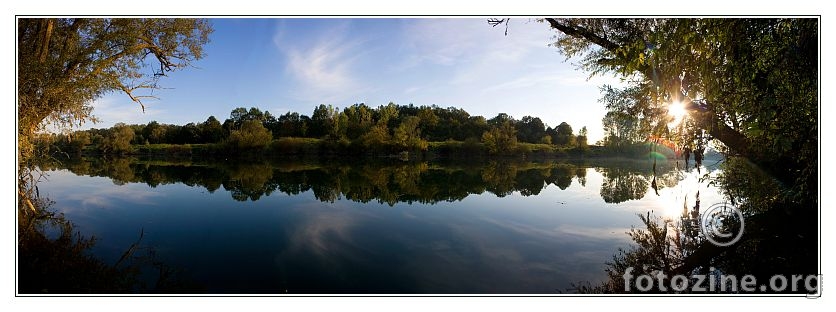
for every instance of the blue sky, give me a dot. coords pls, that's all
(295, 64)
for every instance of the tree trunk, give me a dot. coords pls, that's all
(733, 139)
(45, 34)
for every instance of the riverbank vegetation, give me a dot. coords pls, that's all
(358, 130)
(750, 86)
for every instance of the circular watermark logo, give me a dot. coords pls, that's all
(722, 224)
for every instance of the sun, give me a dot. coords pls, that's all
(677, 111)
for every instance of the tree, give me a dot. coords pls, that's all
(501, 119)
(564, 135)
(270, 122)
(387, 114)
(66, 63)
(621, 185)
(429, 120)
(323, 120)
(189, 134)
(582, 138)
(622, 130)
(63, 144)
(531, 129)
(501, 139)
(77, 141)
(376, 139)
(474, 127)
(118, 139)
(252, 135)
(291, 124)
(211, 130)
(408, 135)
(239, 115)
(750, 83)
(359, 120)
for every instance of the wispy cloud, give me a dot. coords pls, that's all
(600, 233)
(325, 67)
(433, 41)
(545, 79)
(475, 49)
(98, 193)
(524, 82)
(115, 108)
(412, 90)
(323, 70)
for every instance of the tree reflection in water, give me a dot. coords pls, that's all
(775, 241)
(384, 181)
(779, 237)
(54, 258)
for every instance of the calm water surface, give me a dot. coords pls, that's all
(369, 228)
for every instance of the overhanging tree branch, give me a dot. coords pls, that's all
(583, 33)
(707, 118)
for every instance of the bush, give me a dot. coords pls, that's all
(252, 135)
(117, 140)
(295, 146)
(500, 140)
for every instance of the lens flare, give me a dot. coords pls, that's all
(677, 111)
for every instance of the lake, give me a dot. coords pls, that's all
(369, 226)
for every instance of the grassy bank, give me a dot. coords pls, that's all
(311, 147)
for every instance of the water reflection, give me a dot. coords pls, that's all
(383, 181)
(54, 257)
(622, 185)
(329, 227)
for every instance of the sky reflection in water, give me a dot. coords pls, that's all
(284, 243)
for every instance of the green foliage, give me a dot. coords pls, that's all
(581, 139)
(376, 139)
(211, 130)
(118, 140)
(500, 140)
(77, 141)
(252, 135)
(378, 179)
(240, 115)
(546, 139)
(295, 146)
(323, 121)
(291, 124)
(359, 118)
(531, 130)
(386, 114)
(64, 64)
(564, 135)
(750, 83)
(71, 144)
(407, 135)
(171, 150)
(356, 130)
(622, 185)
(469, 149)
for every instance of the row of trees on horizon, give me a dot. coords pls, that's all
(386, 128)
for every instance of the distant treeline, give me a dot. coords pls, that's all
(355, 130)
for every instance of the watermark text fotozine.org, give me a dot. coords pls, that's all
(715, 282)
(722, 225)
